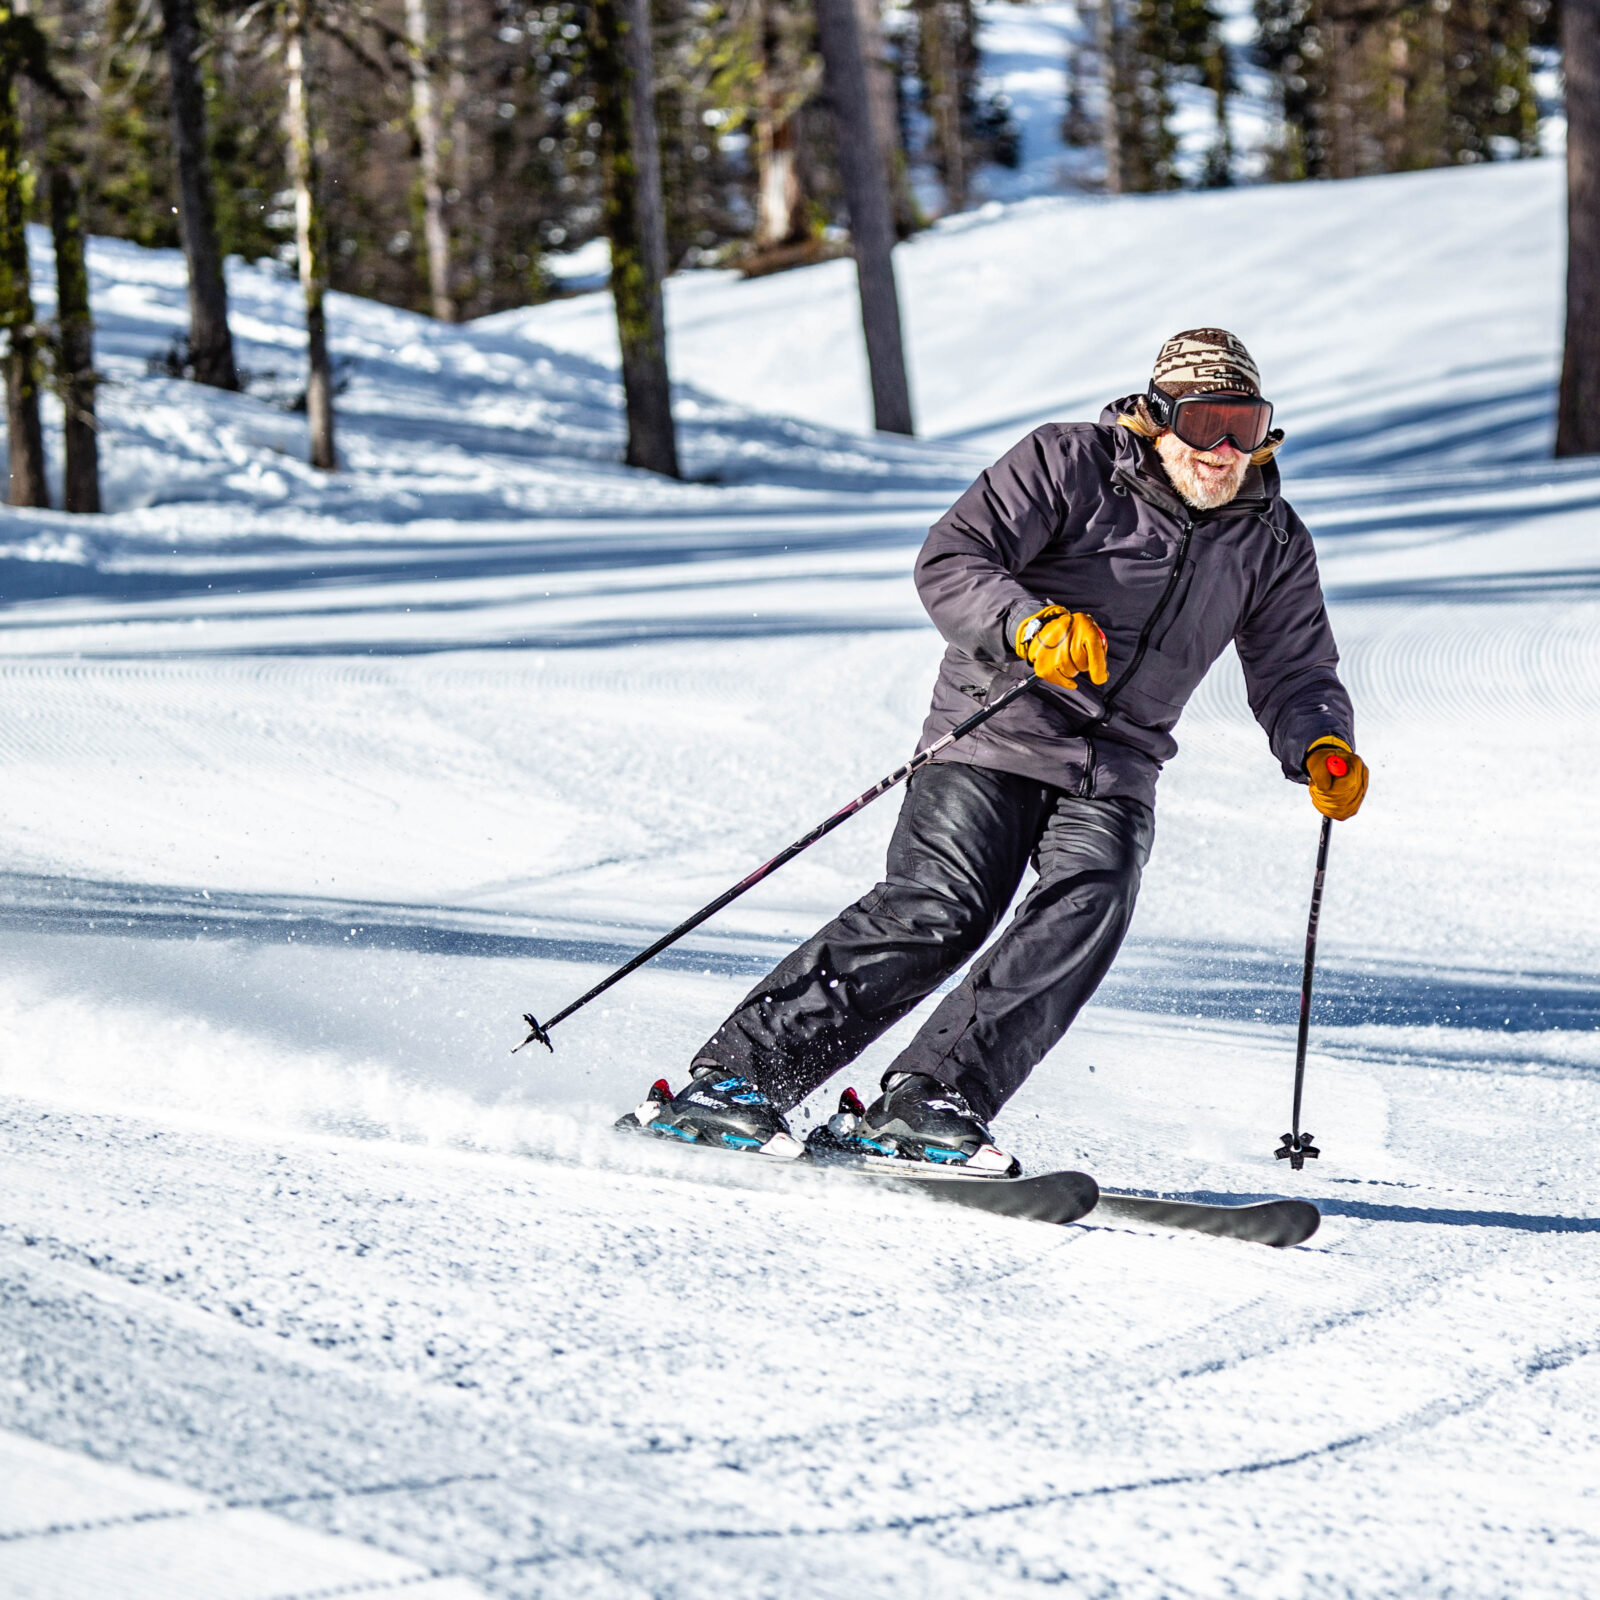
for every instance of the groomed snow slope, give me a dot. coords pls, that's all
(312, 786)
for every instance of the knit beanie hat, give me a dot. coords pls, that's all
(1205, 361)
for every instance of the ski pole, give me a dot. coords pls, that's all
(1297, 1146)
(541, 1031)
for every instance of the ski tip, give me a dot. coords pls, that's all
(1281, 1224)
(1301, 1219)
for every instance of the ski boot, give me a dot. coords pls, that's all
(919, 1121)
(716, 1107)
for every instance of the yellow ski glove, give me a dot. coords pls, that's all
(1059, 644)
(1338, 778)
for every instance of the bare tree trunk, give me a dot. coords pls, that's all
(1578, 410)
(210, 343)
(630, 157)
(871, 223)
(75, 375)
(1108, 38)
(25, 437)
(781, 216)
(311, 233)
(780, 199)
(425, 117)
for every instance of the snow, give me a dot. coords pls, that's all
(312, 786)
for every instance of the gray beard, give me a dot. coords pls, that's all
(1195, 491)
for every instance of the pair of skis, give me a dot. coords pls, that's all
(1058, 1197)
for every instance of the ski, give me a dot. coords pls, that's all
(1055, 1197)
(1280, 1223)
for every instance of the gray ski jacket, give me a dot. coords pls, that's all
(1082, 515)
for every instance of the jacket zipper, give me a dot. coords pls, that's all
(1091, 757)
(1149, 623)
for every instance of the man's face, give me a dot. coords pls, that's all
(1206, 479)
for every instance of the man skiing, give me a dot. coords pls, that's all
(1128, 553)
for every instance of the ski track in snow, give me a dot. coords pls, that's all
(312, 787)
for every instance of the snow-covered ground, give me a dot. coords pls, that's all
(309, 1286)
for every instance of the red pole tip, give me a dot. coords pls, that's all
(1337, 766)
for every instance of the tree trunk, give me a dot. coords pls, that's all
(630, 162)
(780, 199)
(781, 211)
(1578, 410)
(871, 223)
(25, 437)
(310, 230)
(1109, 40)
(75, 376)
(425, 117)
(210, 343)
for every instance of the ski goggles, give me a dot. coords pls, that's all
(1203, 421)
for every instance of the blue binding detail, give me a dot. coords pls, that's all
(740, 1142)
(752, 1097)
(945, 1156)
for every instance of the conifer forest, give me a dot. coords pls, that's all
(447, 155)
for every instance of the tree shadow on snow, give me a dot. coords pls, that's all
(1173, 978)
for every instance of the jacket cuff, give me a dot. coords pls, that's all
(1326, 739)
(1014, 618)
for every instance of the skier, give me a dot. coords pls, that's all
(1128, 553)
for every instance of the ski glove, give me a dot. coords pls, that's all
(1338, 778)
(1059, 644)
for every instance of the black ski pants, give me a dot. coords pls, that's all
(964, 837)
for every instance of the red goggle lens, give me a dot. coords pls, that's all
(1203, 422)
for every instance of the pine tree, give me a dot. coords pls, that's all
(133, 196)
(1370, 86)
(1145, 49)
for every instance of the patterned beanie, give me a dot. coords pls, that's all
(1205, 361)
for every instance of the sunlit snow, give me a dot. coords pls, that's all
(311, 786)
